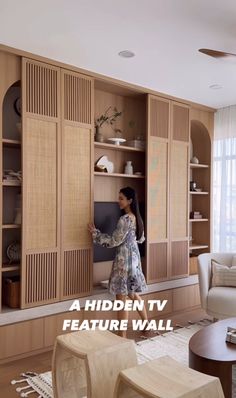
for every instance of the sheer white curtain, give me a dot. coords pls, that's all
(224, 180)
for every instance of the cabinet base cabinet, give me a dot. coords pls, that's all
(21, 337)
(32, 337)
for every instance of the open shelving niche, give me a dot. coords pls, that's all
(199, 229)
(132, 104)
(11, 189)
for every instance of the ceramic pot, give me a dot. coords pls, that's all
(98, 135)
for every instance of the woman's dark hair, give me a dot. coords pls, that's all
(130, 193)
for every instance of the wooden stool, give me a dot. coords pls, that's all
(166, 378)
(87, 363)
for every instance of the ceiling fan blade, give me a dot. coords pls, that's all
(217, 54)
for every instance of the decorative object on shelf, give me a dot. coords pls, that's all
(129, 167)
(140, 144)
(11, 175)
(194, 160)
(109, 116)
(14, 252)
(19, 127)
(138, 173)
(193, 186)
(138, 139)
(195, 215)
(98, 135)
(117, 141)
(17, 106)
(101, 168)
(11, 291)
(103, 162)
(18, 217)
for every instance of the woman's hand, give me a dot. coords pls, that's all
(91, 227)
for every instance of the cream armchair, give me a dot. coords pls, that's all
(219, 302)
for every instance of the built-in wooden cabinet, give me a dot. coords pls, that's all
(200, 174)
(132, 124)
(10, 159)
(61, 191)
(55, 148)
(168, 157)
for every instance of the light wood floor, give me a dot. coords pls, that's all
(42, 362)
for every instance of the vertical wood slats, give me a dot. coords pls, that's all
(77, 98)
(157, 261)
(159, 118)
(179, 190)
(179, 261)
(180, 123)
(41, 89)
(77, 272)
(41, 277)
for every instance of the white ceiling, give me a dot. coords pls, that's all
(164, 34)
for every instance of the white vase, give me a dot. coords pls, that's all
(129, 167)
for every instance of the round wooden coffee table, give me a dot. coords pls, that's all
(209, 353)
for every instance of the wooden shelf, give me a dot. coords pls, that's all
(199, 166)
(13, 267)
(11, 183)
(117, 147)
(197, 246)
(11, 143)
(198, 193)
(11, 226)
(198, 219)
(97, 173)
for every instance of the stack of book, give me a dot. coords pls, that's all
(195, 215)
(231, 335)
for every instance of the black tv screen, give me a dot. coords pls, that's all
(106, 216)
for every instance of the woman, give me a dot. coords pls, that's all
(126, 275)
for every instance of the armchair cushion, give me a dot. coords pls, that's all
(223, 275)
(221, 302)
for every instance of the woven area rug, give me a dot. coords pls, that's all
(174, 344)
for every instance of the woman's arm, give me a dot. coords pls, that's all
(118, 236)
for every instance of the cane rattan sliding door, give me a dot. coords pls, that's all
(158, 189)
(41, 189)
(77, 179)
(179, 190)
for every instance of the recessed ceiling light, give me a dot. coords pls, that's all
(215, 86)
(126, 54)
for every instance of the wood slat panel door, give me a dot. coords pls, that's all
(158, 189)
(41, 148)
(77, 183)
(179, 190)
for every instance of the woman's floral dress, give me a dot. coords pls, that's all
(126, 274)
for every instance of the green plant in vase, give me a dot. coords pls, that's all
(109, 117)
